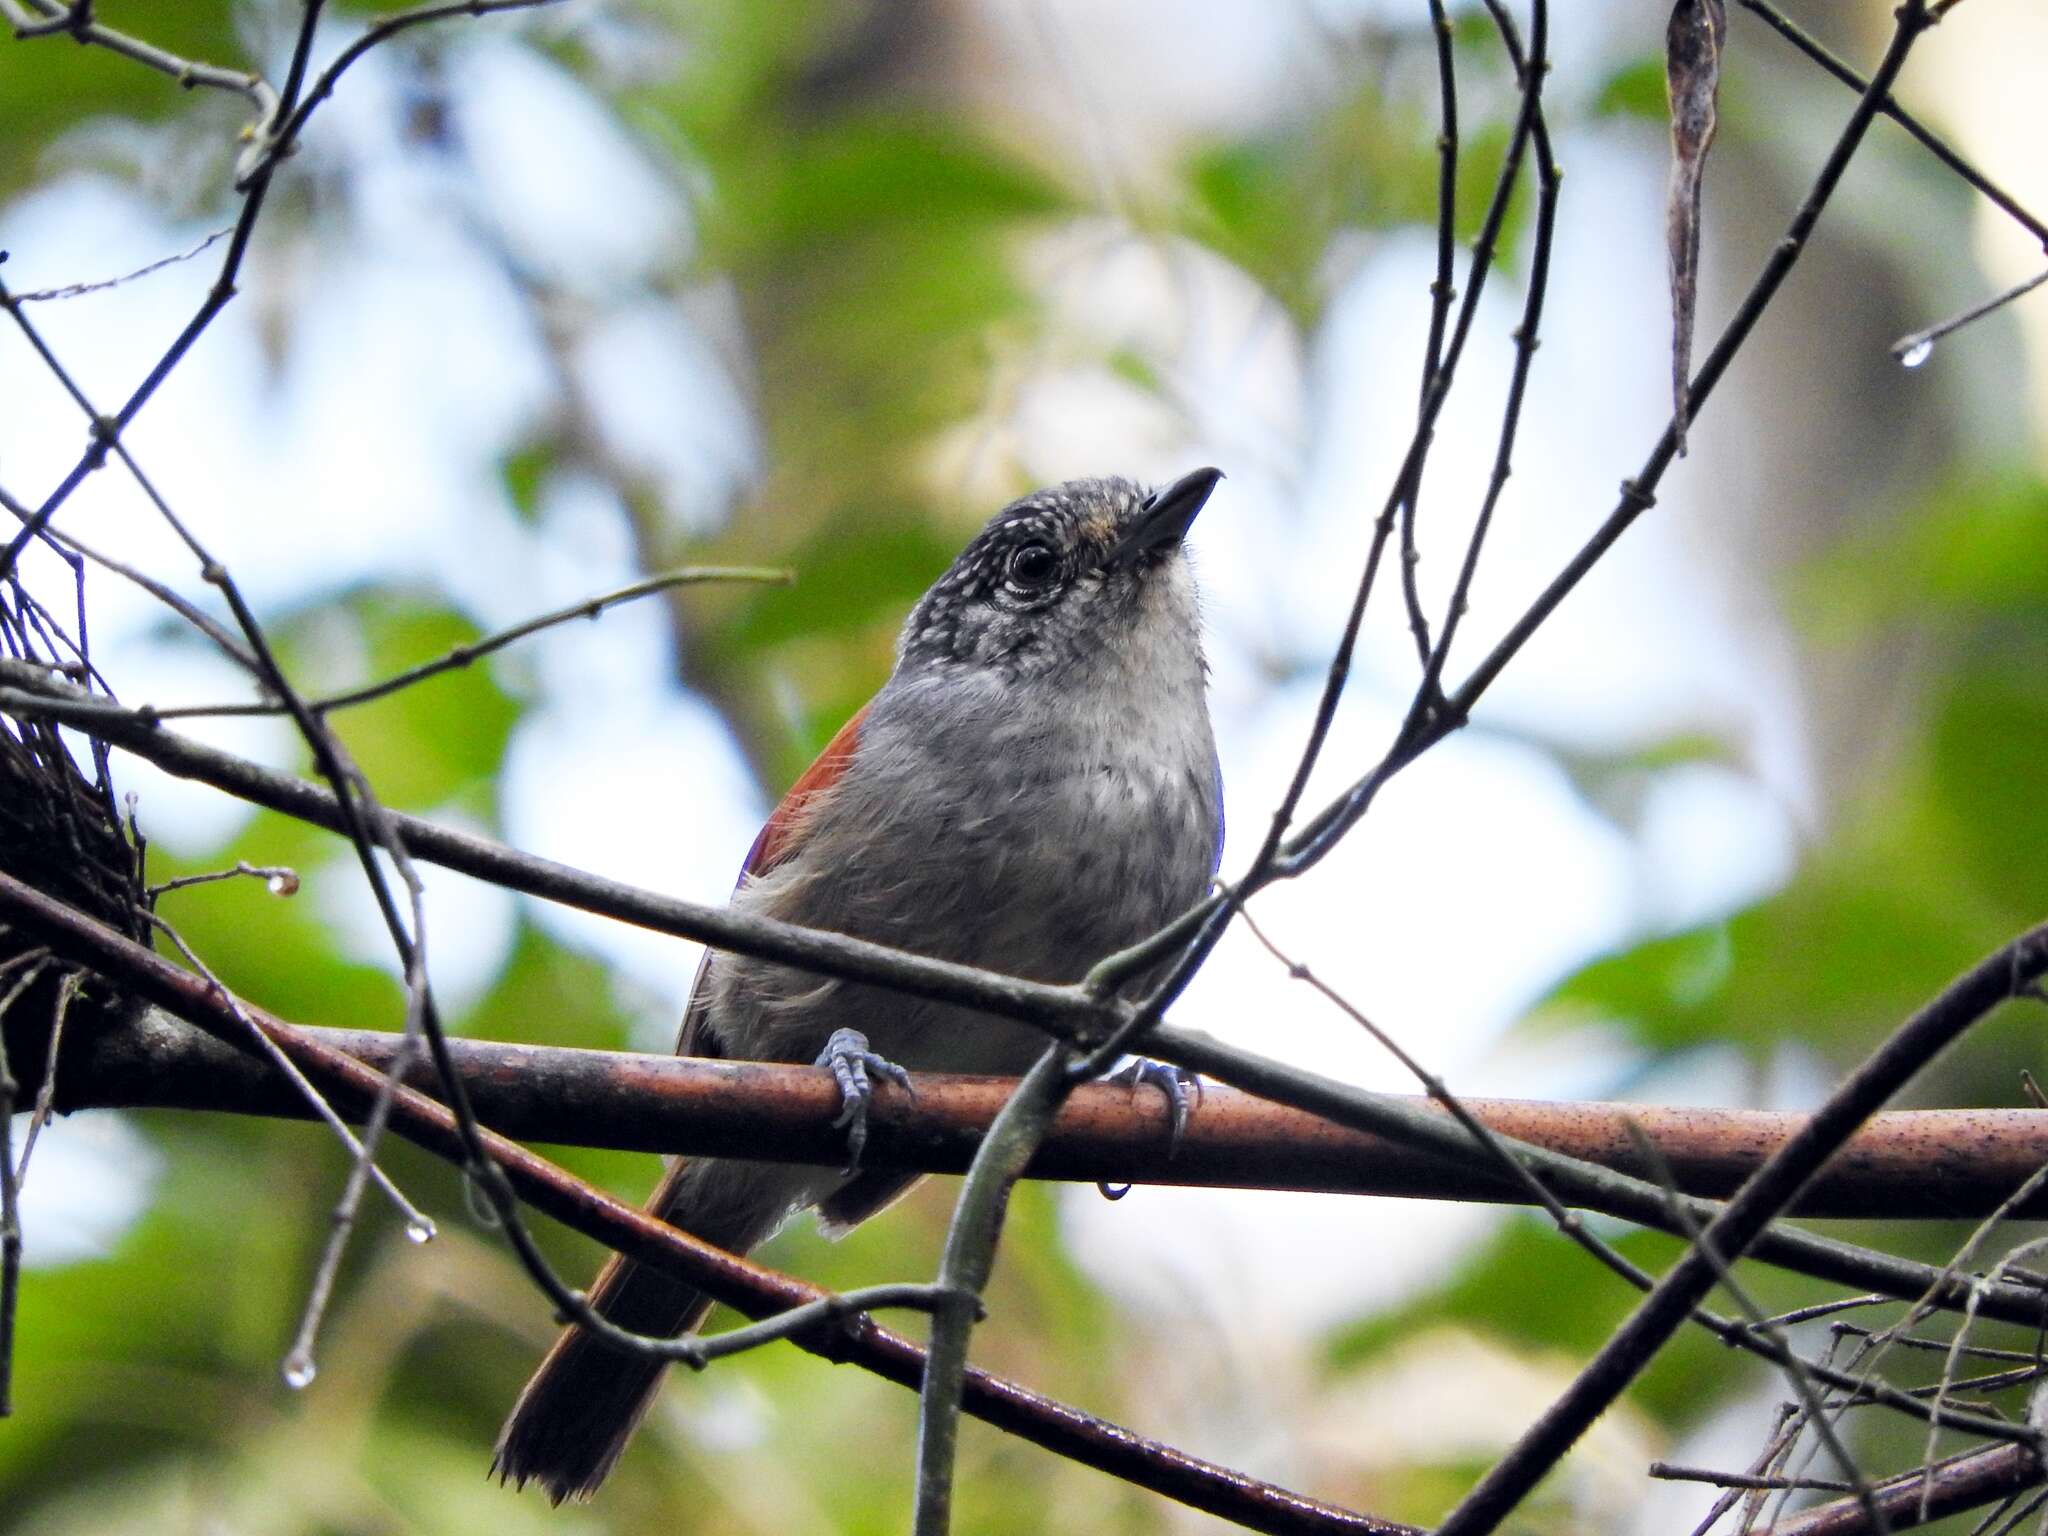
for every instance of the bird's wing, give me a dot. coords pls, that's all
(779, 839)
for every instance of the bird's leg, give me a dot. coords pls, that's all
(851, 1062)
(1182, 1088)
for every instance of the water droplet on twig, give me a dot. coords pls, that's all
(419, 1230)
(1916, 354)
(299, 1370)
(283, 883)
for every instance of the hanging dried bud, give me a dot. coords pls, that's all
(1692, 78)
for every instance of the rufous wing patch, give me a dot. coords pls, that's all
(784, 830)
(777, 840)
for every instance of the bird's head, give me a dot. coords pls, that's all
(1066, 580)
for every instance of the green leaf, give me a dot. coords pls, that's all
(847, 583)
(432, 742)
(1636, 89)
(1979, 548)
(523, 471)
(1989, 732)
(1530, 1289)
(1837, 959)
(277, 951)
(1253, 207)
(817, 188)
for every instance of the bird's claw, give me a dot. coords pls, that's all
(1183, 1090)
(847, 1055)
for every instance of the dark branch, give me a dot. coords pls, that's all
(1966, 1482)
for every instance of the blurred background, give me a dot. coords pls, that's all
(550, 300)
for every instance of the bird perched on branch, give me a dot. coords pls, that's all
(1035, 787)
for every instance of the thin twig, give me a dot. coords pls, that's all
(698, 1350)
(281, 879)
(33, 964)
(75, 21)
(1673, 1473)
(475, 650)
(378, 32)
(311, 1095)
(1787, 29)
(1822, 1309)
(68, 987)
(1779, 1440)
(80, 290)
(1548, 179)
(1915, 349)
(200, 620)
(1441, 293)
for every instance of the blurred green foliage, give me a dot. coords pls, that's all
(1937, 859)
(55, 87)
(871, 229)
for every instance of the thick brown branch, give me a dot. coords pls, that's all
(1967, 1482)
(1915, 1163)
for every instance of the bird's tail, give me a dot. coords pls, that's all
(582, 1405)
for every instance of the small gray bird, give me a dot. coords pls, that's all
(1034, 788)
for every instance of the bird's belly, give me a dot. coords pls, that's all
(1042, 878)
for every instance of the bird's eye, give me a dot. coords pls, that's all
(1031, 567)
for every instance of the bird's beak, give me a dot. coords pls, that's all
(1167, 516)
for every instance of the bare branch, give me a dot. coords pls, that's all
(68, 986)
(1802, 1382)
(1774, 1185)
(970, 1256)
(1964, 1482)
(669, 1104)
(80, 290)
(310, 1099)
(1441, 292)
(1915, 349)
(379, 31)
(1778, 22)
(75, 21)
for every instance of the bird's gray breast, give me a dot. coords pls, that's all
(1048, 831)
(1028, 835)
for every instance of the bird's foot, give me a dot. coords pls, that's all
(1182, 1088)
(853, 1068)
